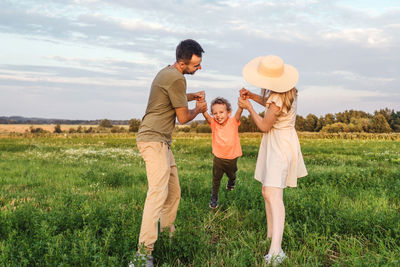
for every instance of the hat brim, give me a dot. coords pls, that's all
(280, 84)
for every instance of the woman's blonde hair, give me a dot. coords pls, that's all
(287, 98)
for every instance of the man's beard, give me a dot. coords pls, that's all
(185, 71)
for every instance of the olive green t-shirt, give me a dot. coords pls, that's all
(168, 91)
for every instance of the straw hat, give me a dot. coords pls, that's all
(271, 73)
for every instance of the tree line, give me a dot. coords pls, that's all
(350, 121)
(381, 121)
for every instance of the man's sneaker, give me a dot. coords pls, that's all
(214, 202)
(275, 259)
(142, 261)
(230, 185)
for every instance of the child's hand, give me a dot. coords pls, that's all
(244, 93)
(244, 103)
(201, 106)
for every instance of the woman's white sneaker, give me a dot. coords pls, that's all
(275, 259)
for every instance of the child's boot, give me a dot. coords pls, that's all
(230, 185)
(214, 202)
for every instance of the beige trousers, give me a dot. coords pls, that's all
(163, 194)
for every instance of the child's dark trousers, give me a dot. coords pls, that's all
(221, 166)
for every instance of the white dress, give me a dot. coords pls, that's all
(280, 161)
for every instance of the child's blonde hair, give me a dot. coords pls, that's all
(287, 98)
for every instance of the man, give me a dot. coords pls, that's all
(167, 101)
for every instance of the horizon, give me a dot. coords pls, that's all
(195, 119)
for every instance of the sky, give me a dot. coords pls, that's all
(96, 59)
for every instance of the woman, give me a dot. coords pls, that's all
(279, 161)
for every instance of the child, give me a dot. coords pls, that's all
(225, 145)
(279, 161)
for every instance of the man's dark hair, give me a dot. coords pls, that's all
(186, 49)
(222, 101)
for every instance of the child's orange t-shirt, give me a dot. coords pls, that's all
(225, 139)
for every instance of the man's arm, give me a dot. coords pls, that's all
(185, 115)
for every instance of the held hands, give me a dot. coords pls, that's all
(201, 105)
(244, 93)
(243, 100)
(244, 103)
(199, 96)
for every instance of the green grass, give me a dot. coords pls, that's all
(78, 201)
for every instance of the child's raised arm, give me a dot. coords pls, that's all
(207, 117)
(238, 113)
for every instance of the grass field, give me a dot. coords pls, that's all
(77, 201)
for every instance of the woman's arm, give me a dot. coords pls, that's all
(259, 99)
(263, 123)
(256, 98)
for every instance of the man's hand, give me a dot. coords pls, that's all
(184, 115)
(198, 96)
(201, 106)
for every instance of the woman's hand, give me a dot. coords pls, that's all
(244, 93)
(244, 103)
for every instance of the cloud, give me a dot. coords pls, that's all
(109, 50)
(370, 37)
